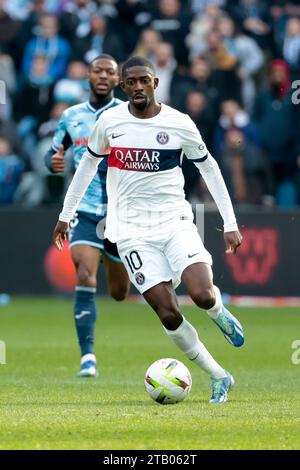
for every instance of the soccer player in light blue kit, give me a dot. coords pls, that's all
(86, 237)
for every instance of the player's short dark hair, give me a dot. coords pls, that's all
(101, 56)
(137, 61)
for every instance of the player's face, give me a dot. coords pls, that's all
(139, 84)
(103, 77)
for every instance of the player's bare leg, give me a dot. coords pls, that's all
(162, 299)
(198, 280)
(86, 260)
(117, 278)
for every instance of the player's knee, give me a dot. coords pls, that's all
(204, 298)
(170, 317)
(85, 277)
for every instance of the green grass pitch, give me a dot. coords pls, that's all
(44, 406)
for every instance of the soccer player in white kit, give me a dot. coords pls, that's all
(148, 216)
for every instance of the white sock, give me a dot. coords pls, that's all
(217, 308)
(88, 357)
(186, 338)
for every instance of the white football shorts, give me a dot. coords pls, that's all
(150, 262)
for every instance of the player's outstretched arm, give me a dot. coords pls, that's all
(84, 174)
(195, 149)
(215, 183)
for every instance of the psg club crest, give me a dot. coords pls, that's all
(140, 278)
(162, 138)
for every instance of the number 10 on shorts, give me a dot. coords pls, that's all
(134, 261)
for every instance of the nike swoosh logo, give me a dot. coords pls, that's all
(115, 136)
(192, 256)
(82, 314)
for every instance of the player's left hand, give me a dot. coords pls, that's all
(60, 234)
(232, 241)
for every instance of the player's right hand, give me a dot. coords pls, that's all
(60, 234)
(58, 161)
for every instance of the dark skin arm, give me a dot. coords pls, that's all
(232, 241)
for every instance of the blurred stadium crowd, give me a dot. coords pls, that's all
(232, 66)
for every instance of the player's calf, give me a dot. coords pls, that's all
(85, 314)
(85, 277)
(203, 297)
(170, 317)
(118, 292)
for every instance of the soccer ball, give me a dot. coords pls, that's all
(168, 381)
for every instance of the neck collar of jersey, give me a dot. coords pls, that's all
(162, 110)
(97, 107)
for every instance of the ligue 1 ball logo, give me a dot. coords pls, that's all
(162, 138)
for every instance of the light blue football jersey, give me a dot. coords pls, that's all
(73, 130)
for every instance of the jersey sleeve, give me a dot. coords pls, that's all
(83, 176)
(61, 135)
(98, 144)
(191, 141)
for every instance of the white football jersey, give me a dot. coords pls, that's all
(144, 179)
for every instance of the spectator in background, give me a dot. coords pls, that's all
(18, 9)
(147, 42)
(29, 27)
(233, 116)
(278, 19)
(165, 65)
(245, 169)
(277, 120)
(56, 7)
(8, 76)
(51, 187)
(133, 16)
(37, 186)
(8, 132)
(247, 52)
(33, 102)
(35, 95)
(201, 26)
(196, 106)
(74, 87)
(11, 170)
(47, 129)
(200, 6)
(254, 18)
(75, 19)
(199, 78)
(173, 25)
(291, 46)
(48, 44)
(100, 40)
(224, 67)
(292, 7)
(8, 29)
